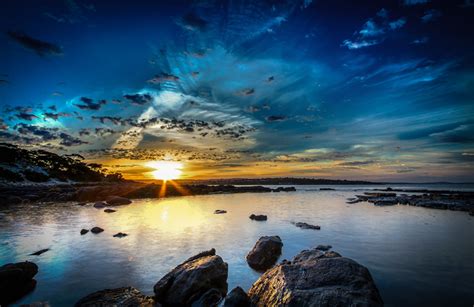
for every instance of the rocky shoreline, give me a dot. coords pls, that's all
(311, 278)
(446, 200)
(14, 194)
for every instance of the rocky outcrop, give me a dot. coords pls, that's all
(314, 278)
(303, 225)
(237, 298)
(192, 280)
(265, 253)
(458, 201)
(117, 201)
(96, 230)
(323, 247)
(284, 189)
(119, 297)
(259, 217)
(16, 280)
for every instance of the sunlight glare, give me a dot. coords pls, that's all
(166, 170)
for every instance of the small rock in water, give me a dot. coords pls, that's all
(110, 210)
(96, 230)
(284, 189)
(323, 247)
(118, 201)
(84, 231)
(120, 297)
(259, 217)
(265, 253)
(16, 281)
(100, 205)
(237, 298)
(327, 189)
(42, 251)
(220, 212)
(307, 226)
(120, 235)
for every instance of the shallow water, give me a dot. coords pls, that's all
(417, 256)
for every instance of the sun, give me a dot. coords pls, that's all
(166, 170)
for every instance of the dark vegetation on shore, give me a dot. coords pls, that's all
(22, 165)
(281, 181)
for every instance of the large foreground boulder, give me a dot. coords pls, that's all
(265, 253)
(315, 278)
(193, 280)
(119, 297)
(16, 280)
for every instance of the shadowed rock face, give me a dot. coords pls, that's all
(315, 278)
(237, 298)
(192, 281)
(16, 280)
(265, 253)
(120, 297)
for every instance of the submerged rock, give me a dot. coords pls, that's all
(314, 278)
(118, 201)
(41, 251)
(306, 226)
(110, 210)
(265, 253)
(220, 212)
(237, 298)
(100, 205)
(120, 235)
(192, 279)
(84, 231)
(119, 297)
(16, 280)
(323, 247)
(259, 217)
(96, 230)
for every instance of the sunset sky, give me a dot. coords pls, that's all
(373, 90)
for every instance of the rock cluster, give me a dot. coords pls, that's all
(126, 296)
(458, 201)
(314, 278)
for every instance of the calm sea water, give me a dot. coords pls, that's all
(417, 256)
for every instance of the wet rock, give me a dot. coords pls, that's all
(16, 280)
(307, 226)
(323, 247)
(84, 231)
(118, 201)
(119, 297)
(259, 217)
(314, 278)
(120, 235)
(41, 251)
(237, 298)
(96, 230)
(189, 281)
(110, 210)
(265, 253)
(100, 205)
(220, 212)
